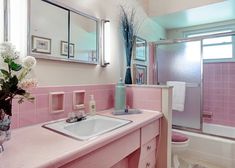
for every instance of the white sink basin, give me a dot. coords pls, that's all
(86, 129)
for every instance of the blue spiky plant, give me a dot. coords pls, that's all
(129, 31)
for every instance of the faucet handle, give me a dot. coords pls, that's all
(81, 113)
(71, 115)
(76, 116)
(127, 109)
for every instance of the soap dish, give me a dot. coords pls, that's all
(126, 112)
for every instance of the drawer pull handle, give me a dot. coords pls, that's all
(148, 164)
(148, 147)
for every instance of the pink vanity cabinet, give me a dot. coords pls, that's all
(137, 149)
(145, 156)
(149, 136)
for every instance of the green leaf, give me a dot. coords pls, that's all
(4, 72)
(15, 67)
(13, 82)
(6, 106)
(1, 81)
(21, 100)
(20, 92)
(7, 60)
(5, 87)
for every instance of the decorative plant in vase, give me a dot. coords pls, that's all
(129, 31)
(13, 84)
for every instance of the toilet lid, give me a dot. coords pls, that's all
(178, 137)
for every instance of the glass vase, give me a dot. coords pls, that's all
(2, 140)
(128, 78)
(5, 134)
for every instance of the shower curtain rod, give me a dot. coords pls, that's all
(179, 40)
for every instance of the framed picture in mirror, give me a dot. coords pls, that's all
(41, 45)
(140, 49)
(64, 49)
(139, 74)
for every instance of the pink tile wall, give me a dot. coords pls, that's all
(148, 98)
(219, 93)
(28, 113)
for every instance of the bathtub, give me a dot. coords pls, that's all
(220, 130)
(210, 150)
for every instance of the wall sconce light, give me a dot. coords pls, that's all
(105, 51)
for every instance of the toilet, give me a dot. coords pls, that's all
(179, 144)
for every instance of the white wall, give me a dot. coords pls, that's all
(64, 73)
(163, 7)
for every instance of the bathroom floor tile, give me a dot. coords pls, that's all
(187, 162)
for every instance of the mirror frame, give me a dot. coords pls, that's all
(69, 9)
(5, 23)
(135, 49)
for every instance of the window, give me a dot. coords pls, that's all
(13, 24)
(216, 48)
(1, 21)
(18, 25)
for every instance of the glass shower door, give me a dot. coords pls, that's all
(182, 62)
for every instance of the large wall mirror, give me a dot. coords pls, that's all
(59, 32)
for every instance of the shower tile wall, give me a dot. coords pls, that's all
(219, 93)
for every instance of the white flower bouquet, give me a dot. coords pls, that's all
(13, 81)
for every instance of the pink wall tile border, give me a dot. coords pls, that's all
(27, 114)
(148, 98)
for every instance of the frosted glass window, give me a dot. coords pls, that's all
(1, 21)
(218, 51)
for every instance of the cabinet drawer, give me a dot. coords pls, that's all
(148, 148)
(149, 131)
(149, 161)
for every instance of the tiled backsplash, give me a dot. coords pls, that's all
(219, 93)
(141, 97)
(28, 113)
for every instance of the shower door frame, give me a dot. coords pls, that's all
(191, 39)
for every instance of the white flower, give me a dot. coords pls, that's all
(29, 62)
(7, 51)
(28, 83)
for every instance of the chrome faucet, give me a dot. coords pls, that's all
(75, 117)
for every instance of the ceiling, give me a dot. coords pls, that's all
(216, 12)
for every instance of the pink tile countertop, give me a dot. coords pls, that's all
(34, 146)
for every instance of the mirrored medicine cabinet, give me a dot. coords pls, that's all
(58, 32)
